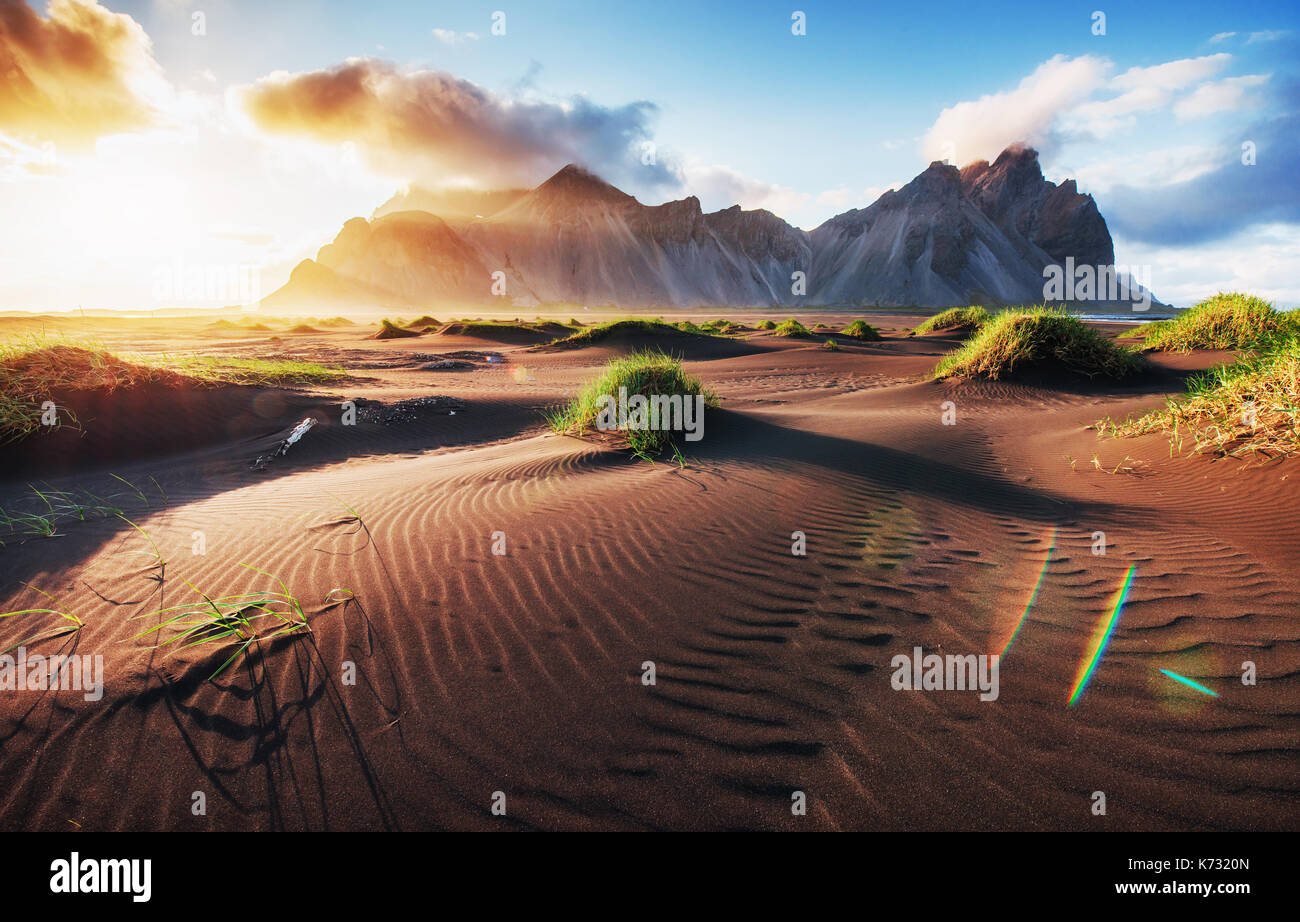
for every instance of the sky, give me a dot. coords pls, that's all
(147, 144)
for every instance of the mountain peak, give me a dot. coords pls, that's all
(574, 184)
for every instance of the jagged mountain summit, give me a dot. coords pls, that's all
(983, 234)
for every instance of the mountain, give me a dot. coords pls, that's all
(983, 234)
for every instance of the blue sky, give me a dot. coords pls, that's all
(740, 109)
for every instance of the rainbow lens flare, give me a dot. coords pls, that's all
(1101, 637)
(1189, 683)
(1033, 595)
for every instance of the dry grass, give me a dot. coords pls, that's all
(1244, 410)
(36, 369)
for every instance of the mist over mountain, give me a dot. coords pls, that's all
(982, 234)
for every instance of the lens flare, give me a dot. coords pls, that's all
(1101, 637)
(1189, 683)
(1033, 595)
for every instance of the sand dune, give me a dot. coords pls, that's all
(523, 673)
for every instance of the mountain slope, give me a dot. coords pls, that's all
(949, 237)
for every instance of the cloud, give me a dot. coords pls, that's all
(1222, 96)
(452, 37)
(1221, 37)
(983, 128)
(1172, 75)
(1272, 35)
(1142, 90)
(79, 74)
(432, 128)
(721, 187)
(1219, 202)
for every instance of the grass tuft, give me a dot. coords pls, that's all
(242, 619)
(36, 369)
(649, 373)
(1225, 321)
(792, 328)
(862, 331)
(62, 611)
(393, 330)
(1039, 338)
(954, 319)
(1249, 409)
(601, 331)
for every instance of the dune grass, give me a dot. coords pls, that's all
(73, 622)
(765, 325)
(597, 332)
(831, 346)
(389, 329)
(1248, 409)
(1228, 320)
(650, 372)
(791, 328)
(242, 619)
(954, 319)
(1142, 330)
(490, 328)
(53, 507)
(34, 369)
(423, 321)
(862, 331)
(1043, 339)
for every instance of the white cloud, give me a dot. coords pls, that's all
(720, 186)
(983, 128)
(1172, 75)
(1268, 36)
(1221, 37)
(1221, 96)
(1260, 261)
(1146, 169)
(452, 37)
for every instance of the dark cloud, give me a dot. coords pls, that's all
(1225, 200)
(432, 128)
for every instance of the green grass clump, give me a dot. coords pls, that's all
(1225, 321)
(1250, 408)
(230, 369)
(861, 330)
(423, 321)
(1142, 330)
(601, 331)
(37, 368)
(389, 329)
(243, 619)
(1040, 338)
(954, 319)
(765, 325)
(792, 328)
(650, 372)
(831, 346)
